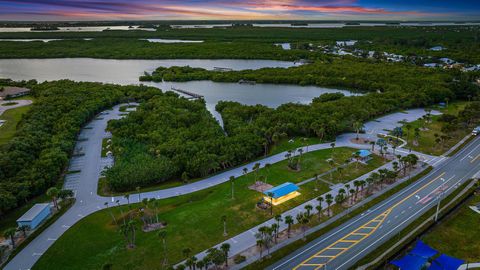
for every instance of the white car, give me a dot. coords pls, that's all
(476, 131)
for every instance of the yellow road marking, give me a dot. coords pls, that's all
(379, 219)
(324, 256)
(350, 241)
(473, 160)
(359, 234)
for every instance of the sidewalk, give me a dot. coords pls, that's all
(245, 240)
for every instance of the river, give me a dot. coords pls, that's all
(128, 71)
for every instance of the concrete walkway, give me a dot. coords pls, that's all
(91, 164)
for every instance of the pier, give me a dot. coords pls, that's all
(188, 93)
(222, 69)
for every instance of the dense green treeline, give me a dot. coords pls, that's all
(35, 158)
(169, 137)
(462, 42)
(121, 48)
(350, 73)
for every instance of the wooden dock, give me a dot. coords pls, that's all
(188, 93)
(222, 69)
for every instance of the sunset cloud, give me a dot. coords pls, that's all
(235, 9)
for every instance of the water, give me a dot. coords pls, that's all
(128, 71)
(77, 29)
(285, 46)
(161, 40)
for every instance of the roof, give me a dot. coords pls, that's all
(33, 212)
(445, 262)
(423, 250)
(410, 262)
(364, 153)
(281, 190)
(11, 90)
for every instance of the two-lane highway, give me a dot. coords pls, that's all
(342, 247)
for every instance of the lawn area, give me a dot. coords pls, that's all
(194, 220)
(458, 234)
(12, 117)
(426, 141)
(282, 146)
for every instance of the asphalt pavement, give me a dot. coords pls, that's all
(342, 247)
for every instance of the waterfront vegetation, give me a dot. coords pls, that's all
(35, 158)
(461, 42)
(12, 117)
(98, 241)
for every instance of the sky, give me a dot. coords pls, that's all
(28, 10)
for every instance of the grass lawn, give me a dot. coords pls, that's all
(279, 148)
(426, 142)
(458, 235)
(12, 117)
(194, 220)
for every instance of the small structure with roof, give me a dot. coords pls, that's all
(11, 92)
(36, 215)
(363, 155)
(281, 193)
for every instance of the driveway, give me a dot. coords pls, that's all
(20, 103)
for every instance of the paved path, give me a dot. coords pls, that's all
(342, 247)
(85, 183)
(20, 103)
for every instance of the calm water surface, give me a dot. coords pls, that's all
(128, 71)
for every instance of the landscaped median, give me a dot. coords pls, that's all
(192, 221)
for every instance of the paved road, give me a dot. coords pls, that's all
(85, 183)
(20, 103)
(342, 247)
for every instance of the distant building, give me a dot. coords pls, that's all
(12, 92)
(447, 61)
(36, 215)
(281, 194)
(437, 48)
(431, 65)
(343, 43)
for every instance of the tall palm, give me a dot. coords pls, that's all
(186, 252)
(224, 221)
(267, 169)
(332, 145)
(225, 247)
(357, 125)
(53, 194)
(270, 195)
(278, 219)
(289, 221)
(308, 208)
(163, 237)
(10, 233)
(329, 201)
(232, 182)
(139, 194)
(319, 209)
(111, 213)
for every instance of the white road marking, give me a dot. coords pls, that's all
(37, 254)
(65, 226)
(52, 239)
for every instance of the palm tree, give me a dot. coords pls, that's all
(200, 264)
(245, 171)
(267, 168)
(329, 201)
(357, 125)
(332, 145)
(275, 231)
(139, 194)
(186, 252)
(163, 237)
(53, 193)
(319, 209)
(278, 219)
(352, 197)
(331, 163)
(127, 196)
(308, 208)
(10, 233)
(260, 245)
(224, 221)
(372, 143)
(356, 184)
(316, 181)
(232, 180)
(409, 128)
(24, 229)
(270, 195)
(289, 221)
(111, 213)
(225, 247)
(300, 151)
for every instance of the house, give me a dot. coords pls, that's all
(431, 65)
(437, 48)
(11, 92)
(344, 43)
(447, 61)
(36, 215)
(281, 193)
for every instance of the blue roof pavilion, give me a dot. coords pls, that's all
(281, 193)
